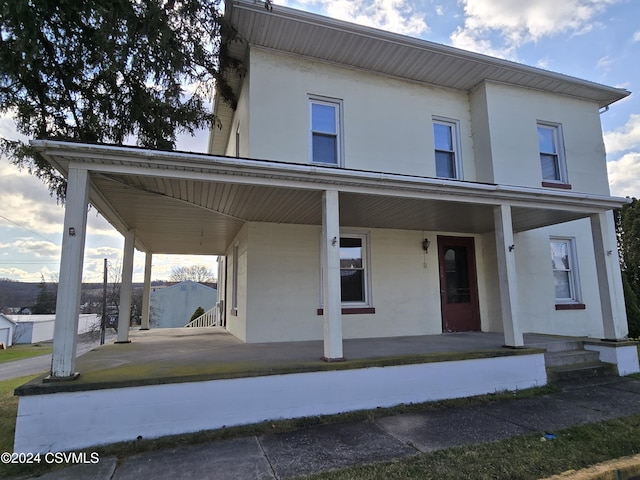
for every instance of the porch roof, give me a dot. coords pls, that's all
(187, 203)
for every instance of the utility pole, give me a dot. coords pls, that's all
(103, 323)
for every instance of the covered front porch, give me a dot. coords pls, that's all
(190, 354)
(172, 202)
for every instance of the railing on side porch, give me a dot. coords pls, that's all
(207, 319)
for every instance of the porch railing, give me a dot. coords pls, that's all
(207, 319)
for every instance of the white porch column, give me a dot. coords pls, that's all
(146, 293)
(507, 278)
(614, 315)
(332, 313)
(126, 288)
(65, 330)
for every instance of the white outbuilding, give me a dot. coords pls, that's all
(173, 306)
(7, 327)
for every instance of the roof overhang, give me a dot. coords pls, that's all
(384, 53)
(190, 203)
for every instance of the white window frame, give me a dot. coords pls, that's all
(337, 104)
(574, 276)
(455, 138)
(558, 136)
(366, 263)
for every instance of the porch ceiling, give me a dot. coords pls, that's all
(199, 217)
(182, 203)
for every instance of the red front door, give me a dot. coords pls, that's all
(458, 284)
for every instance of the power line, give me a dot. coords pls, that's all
(29, 230)
(29, 263)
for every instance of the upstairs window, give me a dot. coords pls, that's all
(551, 154)
(325, 131)
(445, 138)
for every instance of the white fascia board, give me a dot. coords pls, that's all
(199, 167)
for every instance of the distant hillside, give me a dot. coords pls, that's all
(24, 294)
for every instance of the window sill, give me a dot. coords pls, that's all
(352, 310)
(326, 164)
(564, 186)
(570, 306)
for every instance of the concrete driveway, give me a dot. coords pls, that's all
(42, 363)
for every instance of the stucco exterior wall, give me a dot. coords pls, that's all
(240, 124)
(284, 293)
(536, 285)
(513, 114)
(481, 135)
(387, 122)
(237, 318)
(279, 290)
(284, 285)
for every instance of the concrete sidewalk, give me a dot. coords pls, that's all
(327, 447)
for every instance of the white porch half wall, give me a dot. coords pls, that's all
(75, 420)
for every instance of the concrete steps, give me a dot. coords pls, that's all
(581, 372)
(567, 360)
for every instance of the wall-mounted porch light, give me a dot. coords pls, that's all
(425, 245)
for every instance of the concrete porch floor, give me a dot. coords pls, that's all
(160, 356)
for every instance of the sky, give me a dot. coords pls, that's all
(596, 40)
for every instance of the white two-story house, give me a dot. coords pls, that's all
(361, 185)
(452, 191)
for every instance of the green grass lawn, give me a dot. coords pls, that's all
(18, 352)
(520, 458)
(8, 412)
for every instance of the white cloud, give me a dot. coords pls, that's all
(8, 128)
(26, 201)
(391, 15)
(604, 62)
(543, 63)
(624, 175)
(517, 22)
(21, 275)
(624, 138)
(33, 247)
(636, 36)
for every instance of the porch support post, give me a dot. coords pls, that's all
(507, 278)
(614, 315)
(332, 314)
(126, 288)
(146, 293)
(65, 330)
